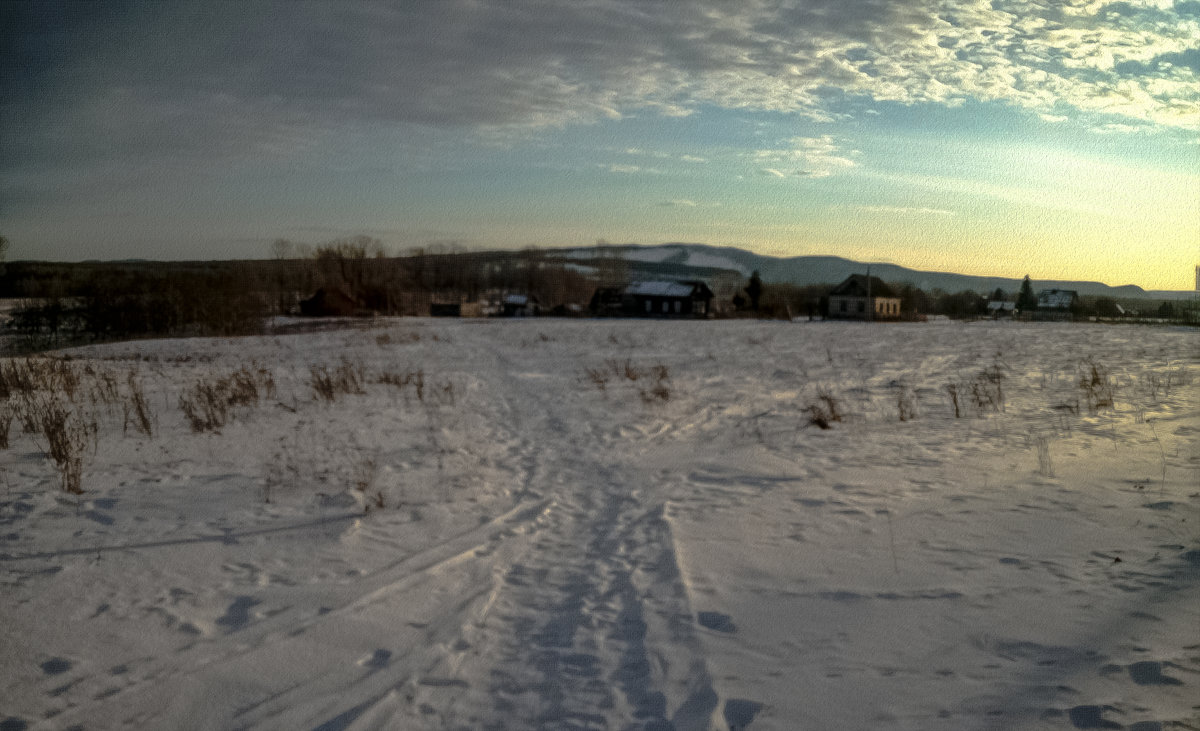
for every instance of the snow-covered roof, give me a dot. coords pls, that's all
(996, 305)
(855, 285)
(1056, 299)
(659, 289)
(519, 300)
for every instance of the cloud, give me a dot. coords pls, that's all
(123, 82)
(772, 172)
(907, 210)
(679, 203)
(819, 157)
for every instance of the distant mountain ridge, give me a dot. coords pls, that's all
(683, 260)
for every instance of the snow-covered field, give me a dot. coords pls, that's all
(618, 524)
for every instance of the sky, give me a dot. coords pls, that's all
(1056, 138)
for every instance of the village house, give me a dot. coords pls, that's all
(860, 298)
(333, 302)
(519, 305)
(654, 299)
(999, 308)
(1056, 304)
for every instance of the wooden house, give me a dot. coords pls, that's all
(860, 298)
(654, 299)
(1056, 304)
(333, 302)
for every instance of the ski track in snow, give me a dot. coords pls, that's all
(557, 553)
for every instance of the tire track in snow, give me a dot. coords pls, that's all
(283, 640)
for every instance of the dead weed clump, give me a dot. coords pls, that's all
(137, 410)
(824, 409)
(1096, 385)
(653, 383)
(659, 388)
(906, 401)
(404, 380)
(443, 393)
(6, 418)
(330, 385)
(211, 400)
(598, 376)
(985, 391)
(28, 376)
(68, 438)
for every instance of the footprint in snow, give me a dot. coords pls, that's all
(56, 666)
(717, 621)
(1091, 717)
(97, 516)
(238, 613)
(739, 712)
(378, 659)
(1151, 673)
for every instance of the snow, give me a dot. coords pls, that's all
(653, 254)
(537, 540)
(658, 254)
(715, 261)
(659, 289)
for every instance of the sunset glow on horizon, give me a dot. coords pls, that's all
(1059, 140)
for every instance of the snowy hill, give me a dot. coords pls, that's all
(683, 259)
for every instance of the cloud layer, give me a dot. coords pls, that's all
(91, 80)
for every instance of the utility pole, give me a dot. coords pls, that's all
(870, 304)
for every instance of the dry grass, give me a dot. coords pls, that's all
(137, 410)
(404, 380)
(952, 392)
(1096, 385)
(330, 385)
(906, 402)
(6, 418)
(31, 375)
(653, 383)
(211, 400)
(659, 388)
(68, 438)
(824, 410)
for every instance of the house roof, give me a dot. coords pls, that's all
(856, 286)
(1056, 299)
(996, 305)
(519, 300)
(661, 289)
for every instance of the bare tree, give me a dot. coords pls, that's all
(282, 249)
(611, 267)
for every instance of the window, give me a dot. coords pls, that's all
(666, 307)
(678, 306)
(649, 304)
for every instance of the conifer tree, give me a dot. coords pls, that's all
(1026, 300)
(754, 290)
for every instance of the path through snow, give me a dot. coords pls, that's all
(623, 525)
